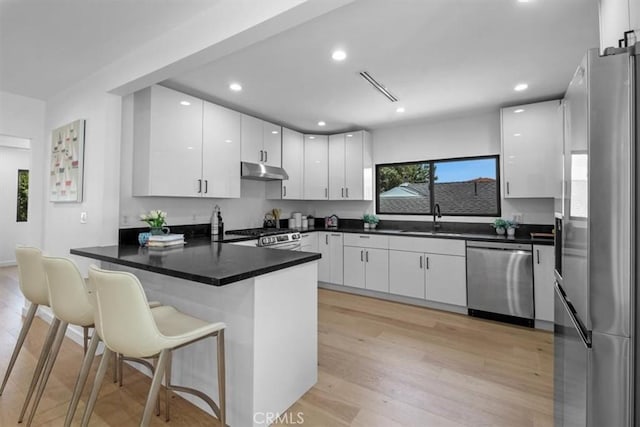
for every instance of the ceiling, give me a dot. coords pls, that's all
(438, 57)
(48, 45)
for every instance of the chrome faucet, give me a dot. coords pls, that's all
(436, 215)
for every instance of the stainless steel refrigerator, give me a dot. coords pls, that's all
(595, 338)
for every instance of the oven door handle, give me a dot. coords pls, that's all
(287, 246)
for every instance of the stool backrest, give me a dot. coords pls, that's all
(68, 293)
(31, 275)
(124, 320)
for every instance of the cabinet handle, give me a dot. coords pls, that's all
(364, 237)
(266, 156)
(361, 256)
(427, 261)
(326, 238)
(342, 191)
(347, 192)
(206, 186)
(538, 255)
(420, 262)
(366, 255)
(326, 192)
(284, 191)
(335, 235)
(199, 186)
(507, 187)
(261, 155)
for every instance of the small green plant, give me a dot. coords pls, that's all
(499, 223)
(370, 219)
(155, 219)
(511, 224)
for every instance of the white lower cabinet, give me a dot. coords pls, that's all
(543, 281)
(446, 279)
(366, 268)
(330, 266)
(431, 269)
(309, 242)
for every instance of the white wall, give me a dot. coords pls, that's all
(473, 135)
(23, 117)
(12, 233)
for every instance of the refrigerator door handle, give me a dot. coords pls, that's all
(586, 340)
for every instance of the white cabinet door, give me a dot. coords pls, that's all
(220, 152)
(309, 242)
(272, 144)
(293, 163)
(376, 269)
(251, 139)
(615, 19)
(543, 281)
(330, 266)
(336, 167)
(532, 149)
(406, 274)
(316, 172)
(354, 266)
(634, 14)
(446, 279)
(354, 167)
(174, 144)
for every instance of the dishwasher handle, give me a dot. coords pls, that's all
(501, 246)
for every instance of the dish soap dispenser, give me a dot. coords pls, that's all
(220, 225)
(214, 220)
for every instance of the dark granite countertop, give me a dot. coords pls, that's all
(201, 260)
(470, 236)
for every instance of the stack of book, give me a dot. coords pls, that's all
(166, 241)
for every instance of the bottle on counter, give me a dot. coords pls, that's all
(215, 215)
(220, 224)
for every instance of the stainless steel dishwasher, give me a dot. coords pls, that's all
(500, 281)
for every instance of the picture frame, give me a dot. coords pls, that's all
(66, 174)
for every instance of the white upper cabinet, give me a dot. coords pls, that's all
(220, 151)
(616, 17)
(350, 166)
(261, 141)
(532, 150)
(316, 170)
(293, 164)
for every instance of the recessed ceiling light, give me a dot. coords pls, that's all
(519, 110)
(400, 110)
(228, 141)
(235, 87)
(185, 103)
(189, 148)
(275, 132)
(321, 123)
(520, 87)
(516, 134)
(339, 55)
(349, 136)
(312, 137)
(523, 1)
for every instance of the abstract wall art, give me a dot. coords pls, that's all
(67, 163)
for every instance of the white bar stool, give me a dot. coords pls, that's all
(33, 284)
(128, 326)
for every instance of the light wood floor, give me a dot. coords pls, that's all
(380, 364)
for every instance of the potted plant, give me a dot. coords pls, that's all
(511, 227)
(370, 221)
(156, 220)
(500, 225)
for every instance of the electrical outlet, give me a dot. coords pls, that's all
(125, 219)
(194, 219)
(83, 217)
(518, 217)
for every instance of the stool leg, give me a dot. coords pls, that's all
(167, 390)
(44, 354)
(120, 361)
(154, 366)
(16, 350)
(85, 339)
(51, 360)
(155, 387)
(82, 378)
(221, 379)
(102, 369)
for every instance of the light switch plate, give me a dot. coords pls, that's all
(83, 217)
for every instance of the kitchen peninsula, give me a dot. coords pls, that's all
(267, 298)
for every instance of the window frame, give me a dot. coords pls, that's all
(432, 202)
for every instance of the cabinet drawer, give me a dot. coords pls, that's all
(428, 245)
(366, 241)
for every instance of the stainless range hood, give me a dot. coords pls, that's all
(261, 172)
